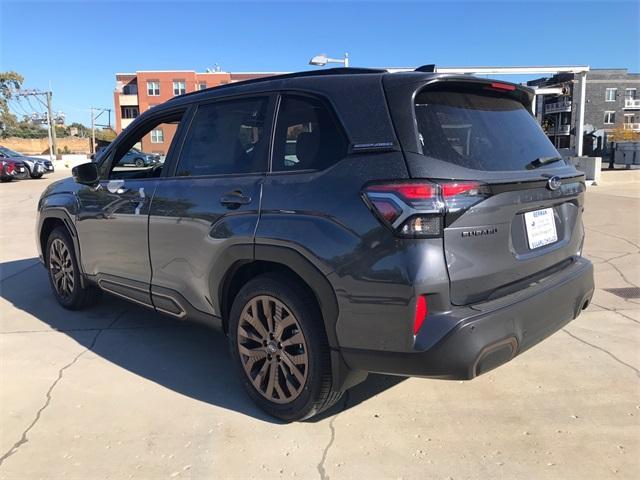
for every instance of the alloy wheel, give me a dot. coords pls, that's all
(272, 348)
(61, 268)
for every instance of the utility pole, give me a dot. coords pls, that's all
(53, 141)
(93, 132)
(94, 117)
(52, 124)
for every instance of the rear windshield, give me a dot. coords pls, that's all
(480, 131)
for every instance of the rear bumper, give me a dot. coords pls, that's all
(493, 334)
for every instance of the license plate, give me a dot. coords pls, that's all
(541, 228)
(21, 170)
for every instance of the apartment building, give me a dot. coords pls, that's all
(142, 90)
(612, 101)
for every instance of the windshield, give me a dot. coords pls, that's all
(7, 152)
(480, 131)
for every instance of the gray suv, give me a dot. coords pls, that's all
(334, 223)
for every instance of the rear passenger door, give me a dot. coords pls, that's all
(209, 203)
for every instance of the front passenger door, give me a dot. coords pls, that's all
(210, 204)
(113, 217)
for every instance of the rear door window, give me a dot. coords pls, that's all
(307, 136)
(479, 131)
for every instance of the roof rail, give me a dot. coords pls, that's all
(307, 73)
(430, 68)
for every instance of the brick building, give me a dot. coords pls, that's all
(142, 90)
(612, 101)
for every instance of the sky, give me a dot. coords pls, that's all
(76, 48)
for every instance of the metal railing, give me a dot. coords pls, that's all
(632, 103)
(561, 106)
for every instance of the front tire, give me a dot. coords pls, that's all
(277, 341)
(64, 274)
(139, 163)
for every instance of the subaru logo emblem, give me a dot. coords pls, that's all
(554, 183)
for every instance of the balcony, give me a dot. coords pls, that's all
(556, 107)
(128, 100)
(631, 126)
(125, 122)
(559, 130)
(632, 103)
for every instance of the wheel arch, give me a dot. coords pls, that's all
(287, 261)
(51, 218)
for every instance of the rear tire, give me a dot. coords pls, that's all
(35, 175)
(139, 163)
(278, 343)
(64, 274)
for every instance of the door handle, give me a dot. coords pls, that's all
(234, 199)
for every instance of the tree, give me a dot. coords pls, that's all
(621, 134)
(9, 82)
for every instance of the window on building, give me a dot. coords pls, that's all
(226, 138)
(130, 89)
(609, 118)
(610, 94)
(202, 85)
(130, 112)
(630, 93)
(307, 137)
(153, 88)
(157, 135)
(179, 87)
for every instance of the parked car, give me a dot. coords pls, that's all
(11, 169)
(36, 167)
(138, 159)
(422, 225)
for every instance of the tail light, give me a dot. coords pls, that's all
(9, 168)
(419, 209)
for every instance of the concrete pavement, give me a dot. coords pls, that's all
(120, 392)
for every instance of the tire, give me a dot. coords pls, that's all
(6, 179)
(35, 175)
(139, 163)
(296, 397)
(64, 274)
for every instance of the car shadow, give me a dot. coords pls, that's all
(185, 357)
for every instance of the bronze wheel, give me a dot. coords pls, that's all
(61, 268)
(272, 348)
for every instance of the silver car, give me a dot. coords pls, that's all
(36, 167)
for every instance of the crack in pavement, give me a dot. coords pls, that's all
(603, 350)
(615, 310)
(637, 246)
(321, 469)
(23, 437)
(622, 275)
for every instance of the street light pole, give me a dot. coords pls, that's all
(322, 59)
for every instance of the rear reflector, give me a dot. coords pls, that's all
(421, 313)
(386, 209)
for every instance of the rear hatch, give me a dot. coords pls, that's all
(523, 222)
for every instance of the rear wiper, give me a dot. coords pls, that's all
(540, 161)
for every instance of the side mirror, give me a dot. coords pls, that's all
(86, 174)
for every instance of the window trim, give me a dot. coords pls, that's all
(153, 94)
(606, 94)
(334, 118)
(606, 112)
(161, 134)
(179, 81)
